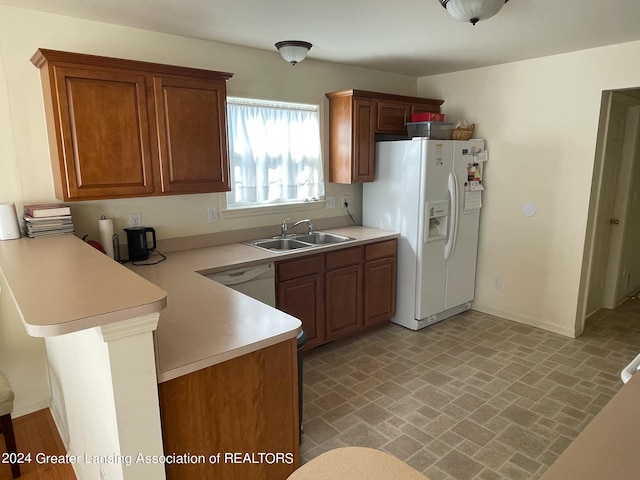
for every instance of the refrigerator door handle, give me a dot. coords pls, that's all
(450, 245)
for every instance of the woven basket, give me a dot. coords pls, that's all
(463, 133)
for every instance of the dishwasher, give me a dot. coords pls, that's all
(259, 282)
(256, 281)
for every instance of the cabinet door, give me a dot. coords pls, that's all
(380, 290)
(424, 108)
(364, 123)
(304, 299)
(103, 134)
(246, 404)
(344, 301)
(352, 124)
(392, 117)
(192, 134)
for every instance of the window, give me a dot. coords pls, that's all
(274, 153)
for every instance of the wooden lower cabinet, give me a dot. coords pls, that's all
(379, 297)
(340, 293)
(344, 285)
(300, 292)
(245, 409)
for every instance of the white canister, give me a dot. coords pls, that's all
(9, 228)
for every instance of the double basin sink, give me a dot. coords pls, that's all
(294, 242)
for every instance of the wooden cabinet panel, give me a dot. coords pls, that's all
(352, 125)
(247, 405)
(304, 299)
(103, 134)
(392, 117)
(423, 108)
(387, 248)
(344, 257)
(192, 137)
(379, 291)
(344, 301)
(355, 117)
(122, 128)
(341, 292)
(300, 267)
(364, 146)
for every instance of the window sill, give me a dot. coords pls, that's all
(268, 209)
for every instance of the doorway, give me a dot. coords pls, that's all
(611, 264)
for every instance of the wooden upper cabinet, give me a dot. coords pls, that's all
(122, 128)
(355, 117)
(362, 169)
(191, 119)
(352, 129)
(103, 147)
(392, 117)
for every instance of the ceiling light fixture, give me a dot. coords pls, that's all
(472, 10)
(293, 51)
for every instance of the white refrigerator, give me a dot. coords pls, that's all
(431, 192)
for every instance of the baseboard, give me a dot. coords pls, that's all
(61, 426)
(532, 322)
(26, 409)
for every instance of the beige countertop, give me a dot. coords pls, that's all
(206, 323)
(608, 447)
(61, 285)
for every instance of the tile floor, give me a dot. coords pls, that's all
(474, 397)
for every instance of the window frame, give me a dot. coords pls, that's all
(276, 207)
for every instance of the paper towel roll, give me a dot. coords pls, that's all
(105, 227)
(9, 228)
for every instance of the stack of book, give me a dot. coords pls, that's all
(49, 219)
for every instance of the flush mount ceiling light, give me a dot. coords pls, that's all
(472, 10)
(293, 51)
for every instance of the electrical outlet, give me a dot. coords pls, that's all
(330, 202)
(135, 219)
(345, 201)
(212, 214)
(497, 283)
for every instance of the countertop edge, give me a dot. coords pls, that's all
(223, 357)
(94, 321)
(61, 285)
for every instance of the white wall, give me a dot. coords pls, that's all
(540, 120)
(24, 154)
(22, 359)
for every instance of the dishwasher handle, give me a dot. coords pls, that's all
(239, 276)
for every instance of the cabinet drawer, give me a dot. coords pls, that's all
(300, 267)
(341, 258)
(381, 249)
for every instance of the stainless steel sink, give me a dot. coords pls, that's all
(294, 242)
(321, 238)
(280, 244)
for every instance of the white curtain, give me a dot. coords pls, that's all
(274, 153)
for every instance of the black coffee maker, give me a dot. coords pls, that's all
(138, 242)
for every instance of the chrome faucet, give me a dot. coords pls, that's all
(284, 228)
(307, 221)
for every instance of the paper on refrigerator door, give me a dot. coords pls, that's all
(472, 201)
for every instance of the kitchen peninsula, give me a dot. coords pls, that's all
(97, 319)
(106, 359)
